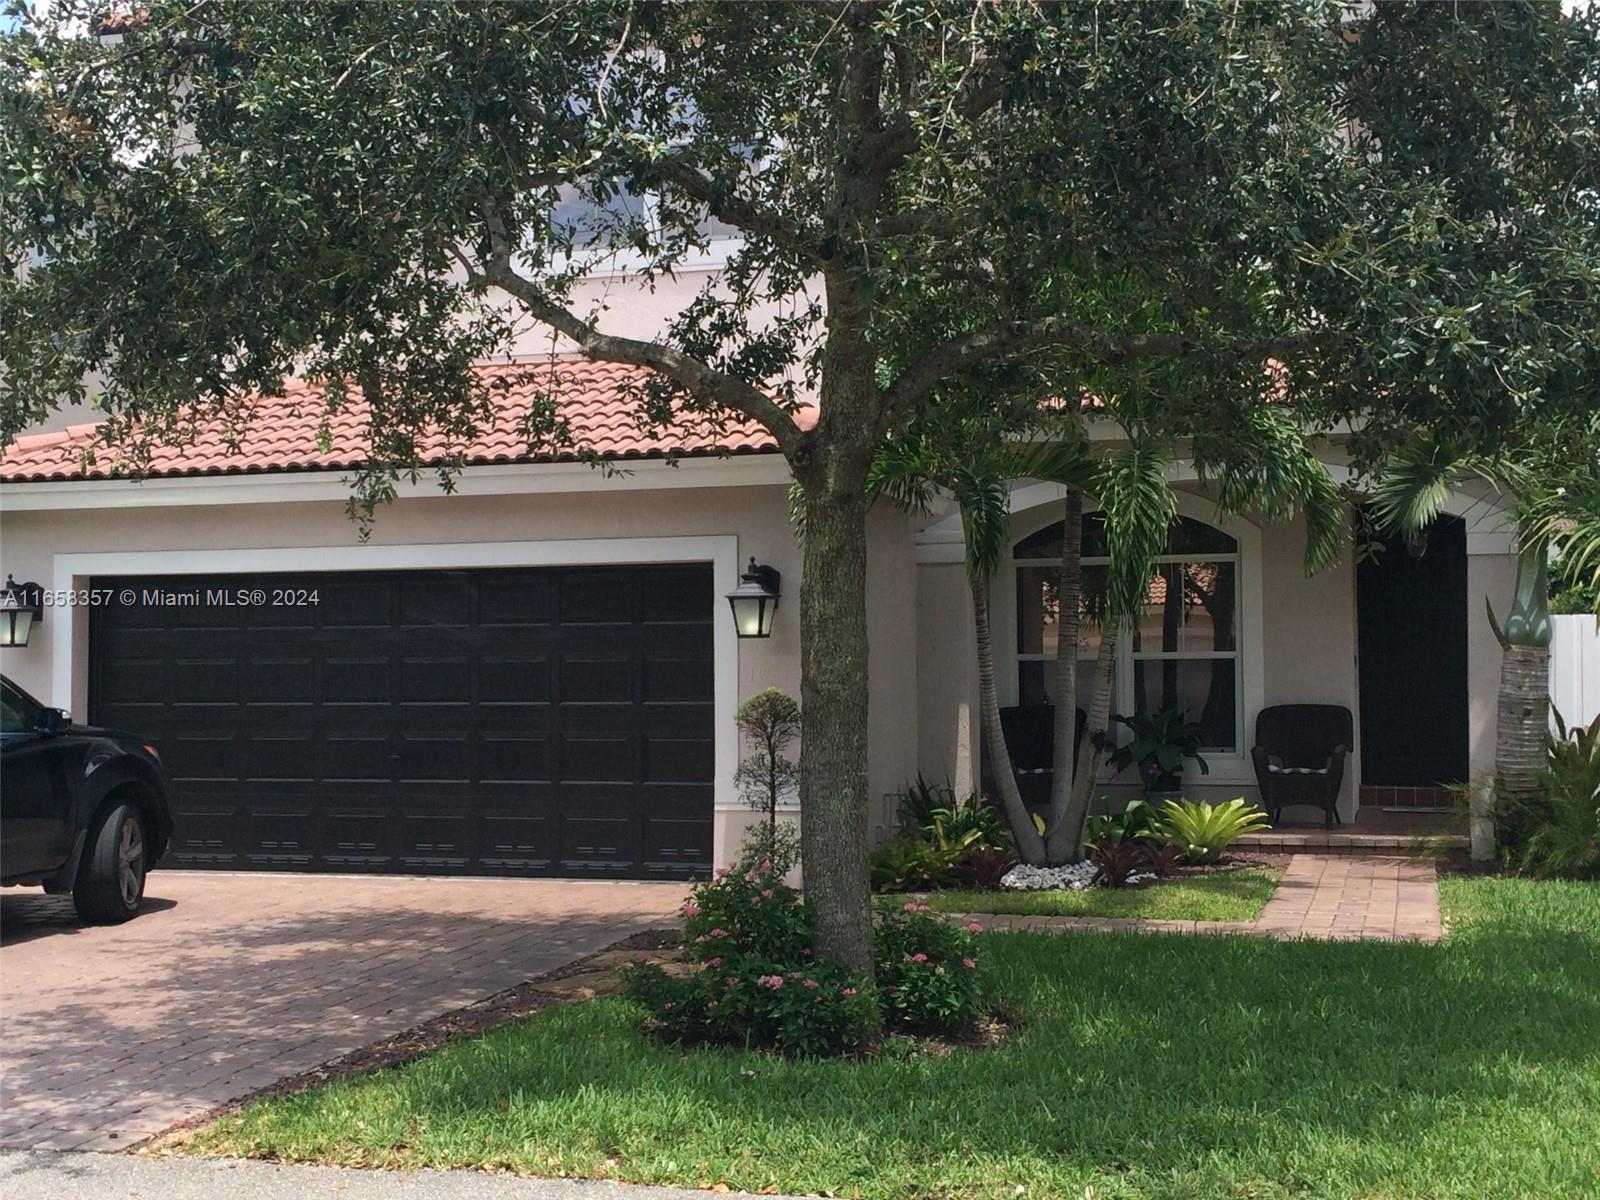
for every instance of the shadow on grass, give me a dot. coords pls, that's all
(1203, 1062)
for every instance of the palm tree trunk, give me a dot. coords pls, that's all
(1030, 846)
(1062, 842)
(1105, 677)
(1522, 726)
(1523, 711)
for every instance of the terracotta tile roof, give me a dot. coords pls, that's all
(282, 436)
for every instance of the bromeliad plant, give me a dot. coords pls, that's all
(1201, 832)
(1161, 742)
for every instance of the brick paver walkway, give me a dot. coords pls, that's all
(1344, 897)
(1329, 896)
(227, 983)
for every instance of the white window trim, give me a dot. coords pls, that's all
(1044, 509)
(70, 628)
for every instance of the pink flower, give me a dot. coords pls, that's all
(691, 909)
(641, 956)
(719, 932)
(812, 984)
(702, 938)
(731, 980)
(749, 876)
(767, 894)
(772, 981)
(909, 906)
(919, 956)
(969, 964)
(848, 992)
(714, 962)
(765, 868)
(721, 871)
(974, 927)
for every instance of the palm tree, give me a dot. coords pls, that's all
(1555, 489)
(1266, 468)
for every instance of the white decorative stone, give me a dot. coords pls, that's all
(1076, 877)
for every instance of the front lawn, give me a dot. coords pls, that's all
(1171, 1067)
(1220, 896)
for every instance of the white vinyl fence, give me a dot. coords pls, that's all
(1575, 669)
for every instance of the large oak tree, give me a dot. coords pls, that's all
(1389, 205)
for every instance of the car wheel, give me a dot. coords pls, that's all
(111, 877)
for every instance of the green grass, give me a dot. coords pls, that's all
(1148, 1067)
(1224, 896)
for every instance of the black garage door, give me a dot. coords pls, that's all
(494, 722)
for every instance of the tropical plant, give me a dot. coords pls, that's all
(908, 865)
(1137, 822)
(1116, 863)
(935, 814)
(1161, 742)
(1559, 833)
(983, 867)
(770, 722)
(1201, 831)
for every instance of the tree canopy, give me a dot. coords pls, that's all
(1388, 213)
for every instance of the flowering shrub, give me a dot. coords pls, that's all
(754, 983)
(747, 914)
(822, 1009)
(927, 971)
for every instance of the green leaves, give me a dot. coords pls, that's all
(1203, 831)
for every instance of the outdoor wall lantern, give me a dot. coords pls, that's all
(754, 601)
(20, 609)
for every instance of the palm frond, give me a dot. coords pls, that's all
(1414, 489)
(985, 500)
(1139, 510)
(1268, 468)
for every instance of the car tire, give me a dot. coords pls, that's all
(111, 877)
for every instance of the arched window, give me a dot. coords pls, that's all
(1184, 650)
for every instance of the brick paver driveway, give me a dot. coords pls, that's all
(228, 982)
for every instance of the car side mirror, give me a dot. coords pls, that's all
(54, 720)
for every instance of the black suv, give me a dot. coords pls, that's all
(82, 810)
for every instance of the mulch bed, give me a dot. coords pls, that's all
(502, 1008)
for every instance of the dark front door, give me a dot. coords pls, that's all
(1412, 614)
(494, 722)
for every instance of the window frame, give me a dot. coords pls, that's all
(1037, 506)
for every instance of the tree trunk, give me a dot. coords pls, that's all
(1105, 678)
(1030, 846)
(833, 748)
(1062, 842)
(1522, 726)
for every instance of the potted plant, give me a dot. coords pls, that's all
(1161, 742)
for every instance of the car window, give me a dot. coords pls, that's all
(18, 714)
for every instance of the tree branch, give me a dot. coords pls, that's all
(1019, 337)
(701, 379)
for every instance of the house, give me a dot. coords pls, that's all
(538, 673)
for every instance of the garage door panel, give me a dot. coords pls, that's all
(279, 680)
(600, 844)
(434, 680)
(513, 758)
(525, 599)
(514, 680)
(521, 721)
(678, 760)
(671, 843)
